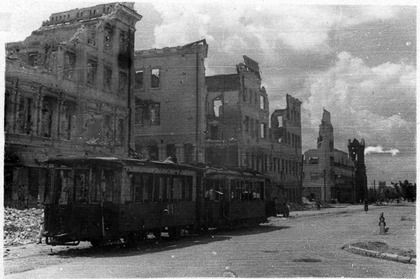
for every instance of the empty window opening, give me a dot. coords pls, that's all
(139, 79)
(120, 130)
(280, 121)
(107, 78)
(69, 65)
(66, 119)
(108, 37)
(123, 41)
(217, 107)
(263, 130)
(147, 113)
(171, 150)
(246, 124)
(122, 84)
(155, 78)
(262, 102)
(24, 120)
(91, 36)
(92, 66)
(188, 152)
(47, 112)
(214, 132)
(33, 59)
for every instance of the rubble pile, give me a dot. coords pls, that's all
(21, 226)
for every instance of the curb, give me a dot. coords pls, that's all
(376, 254)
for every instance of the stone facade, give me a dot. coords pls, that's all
(68, 93)
(328, 172)
(170, 94)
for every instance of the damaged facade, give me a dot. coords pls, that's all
(169, 101)
(76, 87)
(239, 135)
(68, 92)
(328, 172)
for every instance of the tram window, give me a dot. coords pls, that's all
(188, 186)
(183, 188)
(169, 188)
(138, 191)
(108, 180)
(156, 189)
(147, 187)
(177, 188)
(63, 186)
(261, 188)
(95, 191)
(162, 188)
(81, 185)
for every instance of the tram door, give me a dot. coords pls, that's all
(216, 200)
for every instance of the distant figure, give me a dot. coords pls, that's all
(318, 204)
(366, 206)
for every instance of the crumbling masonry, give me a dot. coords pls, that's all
(68, 92)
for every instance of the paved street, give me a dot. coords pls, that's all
(303, 246)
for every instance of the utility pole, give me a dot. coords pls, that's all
(325, 185)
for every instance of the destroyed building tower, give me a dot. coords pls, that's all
(68, 93)
(356, 153)
(329, 172)
(325, 143)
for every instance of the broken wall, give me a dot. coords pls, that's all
(170, 96)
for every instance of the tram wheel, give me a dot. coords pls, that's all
(157, 233)
(174, 232)
(96, 242)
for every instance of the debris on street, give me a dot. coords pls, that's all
(21, 226)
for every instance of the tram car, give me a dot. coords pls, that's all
(105, 199)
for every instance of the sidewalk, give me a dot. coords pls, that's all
(339, 208)
(344, 208)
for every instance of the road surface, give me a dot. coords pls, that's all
(303, 246)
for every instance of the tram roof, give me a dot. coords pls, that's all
(116, 161)
(72, 161)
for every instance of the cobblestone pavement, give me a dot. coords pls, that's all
(306, 245)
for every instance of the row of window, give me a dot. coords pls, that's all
(154, 79)
(92, 72)
(23, 118)
(216, 189)
(74, 186)
(254, 128)
(264, 163)
(146, 187)
(292, 139)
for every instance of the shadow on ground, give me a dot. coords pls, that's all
(164, 244)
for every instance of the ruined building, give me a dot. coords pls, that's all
(286, 138)
(170, 94)
(328, 172)
(357, 155)
(238, 132)
(68, 93)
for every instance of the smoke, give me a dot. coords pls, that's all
(379, 150)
